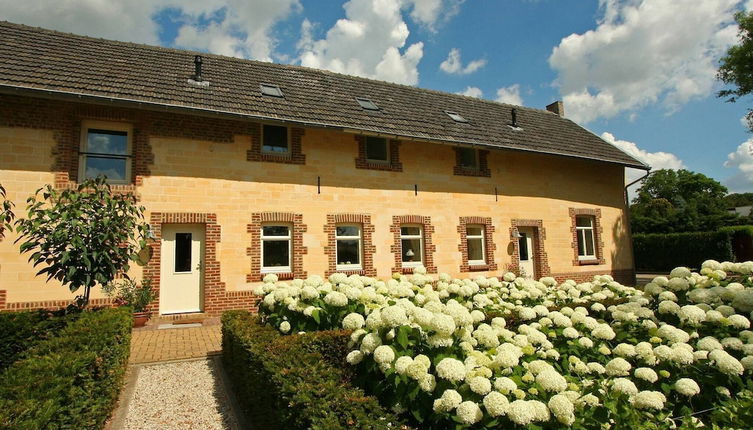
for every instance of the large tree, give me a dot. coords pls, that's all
(671, 201)
(736, 68)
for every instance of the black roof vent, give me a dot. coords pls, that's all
(514, 117)
(197, 60)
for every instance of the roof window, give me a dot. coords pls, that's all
(455, 116)
(271, 90)
(367, 103)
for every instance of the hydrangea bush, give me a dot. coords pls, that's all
(489, 352)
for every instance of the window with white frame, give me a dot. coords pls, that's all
(475, 243)
(412, 245)
(348, 246)
(276, 247)
(377, 149)
(275, 140)
(584, 227)
(106, 149)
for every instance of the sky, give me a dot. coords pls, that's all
(639, 73)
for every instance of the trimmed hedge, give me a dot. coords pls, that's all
(72, 380)
(19, 331)
(663, 252)
(297, 381)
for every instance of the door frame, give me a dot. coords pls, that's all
(213, 288)
(179, 228)
(540, 259)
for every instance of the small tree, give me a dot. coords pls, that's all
(6, 213)
(83, 237)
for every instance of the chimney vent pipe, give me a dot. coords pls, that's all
(197, 60)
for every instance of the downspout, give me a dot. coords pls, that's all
(627, 217)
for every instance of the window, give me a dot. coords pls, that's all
(455, 116)
(377, 149)
(271, 90)
(275, 249)
(182, 252)
(348, 247)
(106, 150)
(468, 158)
(367, 103)
(411, 245)
(584, 227)
(474, 238)
(523, 247)
(275, 140)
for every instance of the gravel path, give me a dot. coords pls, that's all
(183, 395)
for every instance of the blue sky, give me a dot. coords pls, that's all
(639, 73)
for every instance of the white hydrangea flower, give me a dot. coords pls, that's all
(521, 412)
(401, 364)
(692, 315)
(508, 355)
(469, 413)
(747, 362)
(550, 380)
(354, 357)
(505, 385)
(647, 374)
(450, 400)
(562, 408)
(618, 367)
(726, 363)
(451, 369)
(739, 322)
(393, 316)
(336, 299)
(427, 382)
(586, 342)
(625, 386)
(624, 350)
(384, 354)
(649, 400)
(687, 387)
(353, 321)
(370, 342)
(603, 331)
(285, 327)
(496, 404)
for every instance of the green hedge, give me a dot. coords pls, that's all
(297, 381)
(19, 331)
(663, 252)
(72, 380)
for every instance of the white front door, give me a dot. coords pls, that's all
(525, 249)
(182, 268)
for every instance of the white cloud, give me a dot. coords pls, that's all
(129, 21)
(742, 160)
(229, 27)
(454, 65)
(472, 92)
(510, 95)
(643, 52)
(431, 13)
(656, 160)
(367, 42)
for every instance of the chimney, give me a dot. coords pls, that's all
(197, 68)
(557, 107)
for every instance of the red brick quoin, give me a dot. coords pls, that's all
(541, 261)
(489, 245)
(367, 230)
(296, 221)
(429, 247)
(596, 215)
(216, 298)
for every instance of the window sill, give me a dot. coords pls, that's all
(478, 267)
(360, 272)
(378, 165)
(470, 171)
(593, 262)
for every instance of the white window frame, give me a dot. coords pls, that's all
(482, 237)
(359, 237)
(386, 147)
(288, 238)
(108, 126)
(280, 153)
(581, 236)
(476, 157)
(420, 237)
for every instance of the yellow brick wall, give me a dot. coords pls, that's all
(201, 176)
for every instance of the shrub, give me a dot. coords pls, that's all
(70, 381)
(19, 331)
(663, 252)
(289, 382)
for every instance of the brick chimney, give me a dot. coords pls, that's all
(557, 107)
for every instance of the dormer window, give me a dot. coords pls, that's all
(367, 103)
(455, 116)
(271, 90)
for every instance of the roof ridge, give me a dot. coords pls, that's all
(269, 63)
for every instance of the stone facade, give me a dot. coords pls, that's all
(209, 170)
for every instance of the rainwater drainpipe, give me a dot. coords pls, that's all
(627, 216)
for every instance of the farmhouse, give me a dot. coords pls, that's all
(247, 168)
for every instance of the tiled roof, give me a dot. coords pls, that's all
(53, 62)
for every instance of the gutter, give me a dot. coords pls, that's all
(171, 107)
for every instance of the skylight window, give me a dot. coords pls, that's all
(455, 116)
(367, 103)
(271, 90)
